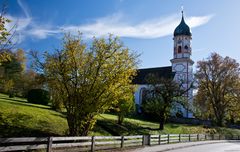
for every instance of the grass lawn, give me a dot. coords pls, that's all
(19, 118)
(136, 127)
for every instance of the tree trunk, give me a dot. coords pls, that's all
(79, 122)
(71, 125)
(85, 130)
(161, 120)
(161, 125)
(219, 117)
(120, 119)
(220, 121)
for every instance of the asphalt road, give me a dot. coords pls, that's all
(200, 146)
(216, 147)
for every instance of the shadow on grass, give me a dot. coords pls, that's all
(102, 131)
(126, 128)
(23, 103)
(173, 125)
(226, 131)
(13, 125)
(12, 99)
(14, 131)
(59, 114)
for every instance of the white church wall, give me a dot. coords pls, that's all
(138, 96)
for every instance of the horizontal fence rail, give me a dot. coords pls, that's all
(94, 143)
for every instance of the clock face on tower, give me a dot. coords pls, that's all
(179, 67)
(180, 77)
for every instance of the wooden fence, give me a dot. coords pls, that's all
(94, 143)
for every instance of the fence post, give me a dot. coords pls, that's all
(219, 137)
(93, 144)
(146, 140)
(238, 137)
(212, 136)
(179, 137)
(143, 140)
(122, 141)
(49, 144)
(168, 139)
(189, 137)
(197, 137)
(149, 140)
(159, 139)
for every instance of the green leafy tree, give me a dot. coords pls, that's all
(30, 80)
(125, 105)
(12, 71)
(6, 35)
(8, 87)
(161, 96)
(218, 92)
(88, 80)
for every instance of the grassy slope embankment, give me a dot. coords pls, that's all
(19, 118)
(137, 127)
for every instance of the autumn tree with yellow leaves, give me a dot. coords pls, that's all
(88, 80)
(218, 93)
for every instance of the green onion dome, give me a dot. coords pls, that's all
(182, 29)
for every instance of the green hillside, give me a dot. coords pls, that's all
(19, 118)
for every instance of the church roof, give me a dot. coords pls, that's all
(182, 29)
(164, 72)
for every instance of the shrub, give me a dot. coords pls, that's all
(38, 96)
(179, 114)
(11, 94)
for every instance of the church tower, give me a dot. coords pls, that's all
(182, 62)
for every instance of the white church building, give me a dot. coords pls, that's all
(180, 70)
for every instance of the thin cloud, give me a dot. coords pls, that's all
(146, 30)
(20, 24)
(27, 27)
(198, 21)
(42, 33)
(115, 24)
(24, 8)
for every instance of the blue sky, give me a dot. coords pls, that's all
(145, 26)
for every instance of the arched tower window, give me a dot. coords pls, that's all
(179, 49)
